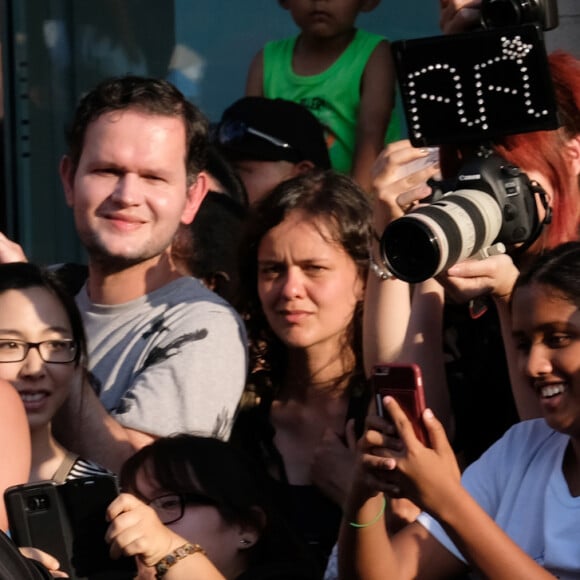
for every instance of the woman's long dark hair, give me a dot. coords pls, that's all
(326, 195)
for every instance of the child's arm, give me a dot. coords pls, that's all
(377, 99)
(255, 80)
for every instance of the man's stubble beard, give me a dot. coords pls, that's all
(109, 263)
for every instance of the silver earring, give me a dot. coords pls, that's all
(245, 542)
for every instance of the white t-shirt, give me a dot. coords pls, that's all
(520, 484)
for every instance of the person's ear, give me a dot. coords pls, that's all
(248, 539)
(573, 150)
(369, 5)
(250, 532)
(302, 167)
(196, 193)
(67, 177)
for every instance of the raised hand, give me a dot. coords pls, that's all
(136, 530)
(426, 475)
(459, 15)
(397, 189)
(466, 280)
(10, 251)
(333, 463)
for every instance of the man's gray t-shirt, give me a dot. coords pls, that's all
(172, 361)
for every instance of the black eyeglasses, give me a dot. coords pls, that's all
(230, 132)
(171, 507)
(63, 350)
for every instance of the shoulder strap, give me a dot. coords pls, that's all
(65, 467)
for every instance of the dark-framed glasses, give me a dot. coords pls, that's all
(170, 507)
(62, 350)
(230, 132)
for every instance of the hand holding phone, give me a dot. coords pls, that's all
(68, 522)
(37, 519)
(404, 383)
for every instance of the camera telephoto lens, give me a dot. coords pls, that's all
(410, 249)
(433, 237)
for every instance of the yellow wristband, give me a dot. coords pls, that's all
(374, 520)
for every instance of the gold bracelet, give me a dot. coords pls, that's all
(165, 563)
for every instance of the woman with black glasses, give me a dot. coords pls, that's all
(43, 355)
(195, 500)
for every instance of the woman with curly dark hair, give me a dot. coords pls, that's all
(304, 266)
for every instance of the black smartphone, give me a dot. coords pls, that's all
(86, 500)
(68, 521)
(404, 383)
(37, 518)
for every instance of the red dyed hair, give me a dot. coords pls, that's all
(546, 152)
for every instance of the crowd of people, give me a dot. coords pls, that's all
(215, 353)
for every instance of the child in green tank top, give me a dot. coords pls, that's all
(344, 75)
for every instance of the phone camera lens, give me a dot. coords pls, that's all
(37, 503)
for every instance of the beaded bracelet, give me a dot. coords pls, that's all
(374, 520)
(380, 271)
(165, 563)
(376, 267)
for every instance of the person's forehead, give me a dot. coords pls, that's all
(138, 115)
(134, 130)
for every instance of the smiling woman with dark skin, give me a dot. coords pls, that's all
(515, 513)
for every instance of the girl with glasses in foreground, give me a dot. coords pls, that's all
(201, 503)
(515, 513)
(43, 356)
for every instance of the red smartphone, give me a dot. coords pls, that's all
(404, 383)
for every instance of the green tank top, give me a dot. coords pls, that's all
(333, 96)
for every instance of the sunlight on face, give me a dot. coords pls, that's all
(308, 284)
(35, 315)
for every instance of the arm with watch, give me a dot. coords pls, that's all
(136, 530)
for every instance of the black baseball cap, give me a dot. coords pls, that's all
(271, 130)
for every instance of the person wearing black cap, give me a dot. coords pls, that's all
(270, 140)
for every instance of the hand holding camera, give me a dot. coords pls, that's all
(461, 15)
(494, 276)
(400, 176)
(468, 90)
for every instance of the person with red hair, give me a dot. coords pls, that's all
(471, 386)
(553, 157)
